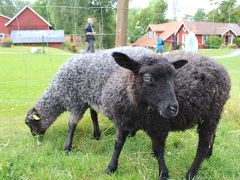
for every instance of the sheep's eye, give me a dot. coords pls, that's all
(147, 78)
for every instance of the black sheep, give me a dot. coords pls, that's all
(202, 87)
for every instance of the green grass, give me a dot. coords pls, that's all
(215, 52)
(23, 79)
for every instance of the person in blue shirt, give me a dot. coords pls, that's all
(89, 36)
(160, 44)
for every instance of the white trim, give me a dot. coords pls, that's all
(184, 25)
(3, 35)
(5, 16)
(229, 30)
(32, 11)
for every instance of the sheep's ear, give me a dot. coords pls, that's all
(126, 62)
(33, 115)
(179, 63)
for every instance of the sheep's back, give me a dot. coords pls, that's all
(202, 87)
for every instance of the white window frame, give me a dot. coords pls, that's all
(3, 35)
(151, 34)
(204, 38)
(184, 38)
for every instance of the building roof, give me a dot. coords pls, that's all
(212, 28)
(4, 16)
(27, 7)
(200, 28)
(166, 30)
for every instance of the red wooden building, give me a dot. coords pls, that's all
(4, 32)
(33, 29)
(178, 31)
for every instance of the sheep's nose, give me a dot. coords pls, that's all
(173, 108)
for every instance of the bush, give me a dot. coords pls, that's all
(236, 41)
(214, 42)
(167, 47)
(6, 42)
(67, 45)
(224, 46)
(232, 46)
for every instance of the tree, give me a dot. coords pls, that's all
(140, 19)
(41, 7)
(11, 7)
(68, 15)
(104, 14)
(200, 15)
(226, 12)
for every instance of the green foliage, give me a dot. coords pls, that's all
(41, 7)
(7, 41)
(11, 7)
(236, 41)
(104, 22)
(68, 15)
(139, 19)
(226, 11)
(200, 15)
(214, 42)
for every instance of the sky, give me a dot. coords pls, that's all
(184, 6)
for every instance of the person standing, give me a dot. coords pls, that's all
(191, 44)
(160, 44)
(89, 36)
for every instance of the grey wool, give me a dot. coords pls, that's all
(79, 83)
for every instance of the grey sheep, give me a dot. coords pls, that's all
(202, 88)
(79, 83)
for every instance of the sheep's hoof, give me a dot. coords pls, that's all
(67, 149)
(189, 176)
(96, 135)
(164, 176)
(109, 171)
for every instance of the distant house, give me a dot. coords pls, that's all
(4, 32)
(178, 31)
(28, 27)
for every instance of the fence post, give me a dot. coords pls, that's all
(122, 23)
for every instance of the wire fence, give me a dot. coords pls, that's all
(24, 76)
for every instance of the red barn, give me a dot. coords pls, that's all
(28, 27)
(178, 31)
(4, 32)
(27, 19)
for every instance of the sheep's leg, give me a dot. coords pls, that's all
(132, 133)
(96, 131)
(205, 142)
(72, 124)
(158, 145)
(209, 154)
(119, 142)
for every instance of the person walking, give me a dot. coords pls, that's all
(89, 36)
(191, 44)
(160, 44)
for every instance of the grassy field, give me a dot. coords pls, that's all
(23, 77)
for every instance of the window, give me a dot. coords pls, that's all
(1, 35)
(184, 37)
(204, 38)
(150, 35)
